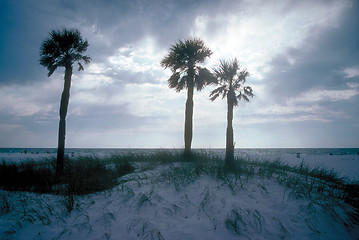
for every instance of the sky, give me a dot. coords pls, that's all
(302, 56)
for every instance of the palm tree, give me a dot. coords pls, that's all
(231, 80)
(183, 59)
(63, 48)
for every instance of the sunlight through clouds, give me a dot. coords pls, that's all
(142, 56)
(94, 78)
(152, 100)
(258, 32)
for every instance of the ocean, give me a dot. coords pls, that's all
(216, 151)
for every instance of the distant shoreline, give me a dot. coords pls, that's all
(271, 151)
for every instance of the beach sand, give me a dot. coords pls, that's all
(154, 204)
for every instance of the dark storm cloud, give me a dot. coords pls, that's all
(107, 25)
(24, 25)
(123, 22)
(320, 60)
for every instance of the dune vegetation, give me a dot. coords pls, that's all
(233, 202)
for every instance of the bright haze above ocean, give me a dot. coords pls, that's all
(302, 56)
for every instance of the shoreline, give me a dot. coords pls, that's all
(347, 165)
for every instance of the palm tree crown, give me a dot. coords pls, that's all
(183, 59)
(231, 80)
(62, 49)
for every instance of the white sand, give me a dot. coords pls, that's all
(345, 165)
(151, 207)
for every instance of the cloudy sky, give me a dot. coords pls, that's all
(303, 57)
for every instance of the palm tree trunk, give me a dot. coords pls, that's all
(229, 135)
(188, 119)
(62, 124)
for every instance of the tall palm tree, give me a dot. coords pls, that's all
(183, 59)
(231, 80)
(62, 48)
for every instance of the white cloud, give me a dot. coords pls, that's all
(324, 95)
(353, 84)
(259, 32)
(88, 81)
(281, 119)
(155, 100)
(142, 56)
(96, 68)
(288, 109)
(308, 106)
(28, 100)
(351, 72)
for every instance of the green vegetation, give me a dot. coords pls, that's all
(86, 175)
(91, 174)
(82, 175)
(143, 181)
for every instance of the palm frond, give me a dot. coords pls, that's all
(51, 69)
(86, 59)
(242, 96)
(62, 48)
(183, 58)
(231, 79)
(177, 82)
(203, 78)
(222, 90)
(235, 102)
(173, 80)
(183, 83)
(243, 75)
(248, 91)
(213, 96)
(81, 68)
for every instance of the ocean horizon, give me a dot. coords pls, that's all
(238, 151)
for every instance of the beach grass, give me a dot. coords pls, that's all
(82, 175)
(143, 181)
(90, 174)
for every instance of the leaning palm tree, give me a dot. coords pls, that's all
(231, 80)
(183, 59)
(63, 48)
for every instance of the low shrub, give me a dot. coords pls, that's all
(26, 176)
(81, 176)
